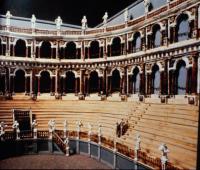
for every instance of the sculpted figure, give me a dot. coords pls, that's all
(8, 16)
(84, 22)
(105, 17)
(58, 22)
(33, 21)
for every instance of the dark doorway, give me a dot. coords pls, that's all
(94, 82)
(45, 82)
(70, 50)
(70, 82)
(94, 49)
(136, 80)
(19, 81)
(20, 48)
(116, 47)
(115, 81)
(45, 50)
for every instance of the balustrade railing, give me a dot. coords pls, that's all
(109, 143)
(43, 134)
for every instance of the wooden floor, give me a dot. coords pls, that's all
(175, 125)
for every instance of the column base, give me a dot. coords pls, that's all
(81, 97)
(163, 99)
(58, 96)
(141, 98)
(103, 97)
(124, 97)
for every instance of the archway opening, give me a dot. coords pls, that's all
(116, 81)
(45, 82)
(155, 79)
(136, 81)
(183, 28)
(45, 50)
(94, 49)
(20, 48)
(181, 78)
(19, 81)
(70, 82)
(94, 82)
(157, 36)
(70, 50)
(137, 42)
(116, 47)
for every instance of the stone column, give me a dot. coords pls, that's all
(13, 84)
(81, 94)
(76, 86)
(31, 83)
(63, 87)
(198, 84)
(82, 51)
(7, 46)
(38, 85)
(105, 50)
(25, 84)
(194, 75)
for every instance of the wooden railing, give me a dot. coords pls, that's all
(26, 134)
(43, 134)
(58, 140)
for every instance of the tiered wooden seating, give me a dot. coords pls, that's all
(93, 112)
(175, 125)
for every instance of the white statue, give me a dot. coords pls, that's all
(34, 126)
(16, 127)
(65, 124)
(2, 128)
(58, 22)
(78, 124)
(8, 16)
(137, 142)
(90, 128)
(66, 142)
(164, 158)
(105, 17)
(126, 15)
(99, 129)
(65, 128)
(84, 23)
(33, 21)
(146, 5)
(52, 125)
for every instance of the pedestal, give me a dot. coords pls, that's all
(81, 97)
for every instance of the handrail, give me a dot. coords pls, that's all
(59, 142)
